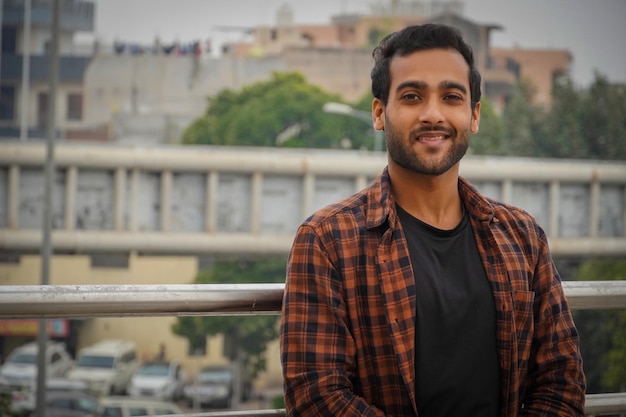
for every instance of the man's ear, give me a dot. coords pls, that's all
(378, 114)
(475, 123)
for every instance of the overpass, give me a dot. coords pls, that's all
(207, 200)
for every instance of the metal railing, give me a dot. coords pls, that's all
(83, 301)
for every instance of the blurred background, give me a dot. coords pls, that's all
(191, 138)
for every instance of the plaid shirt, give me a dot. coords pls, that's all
(348, 331)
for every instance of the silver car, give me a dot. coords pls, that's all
(162, 380)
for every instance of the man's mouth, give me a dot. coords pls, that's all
(432, 137)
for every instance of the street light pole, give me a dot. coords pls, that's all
(346, 110)
(46, 248)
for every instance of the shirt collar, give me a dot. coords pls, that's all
(381, 205)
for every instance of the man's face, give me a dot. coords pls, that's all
(428, 118)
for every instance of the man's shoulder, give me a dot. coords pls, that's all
(510, 212)
(348, 207)
(485, 207)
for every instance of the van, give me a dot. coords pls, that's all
(106, 366)
(20, 368)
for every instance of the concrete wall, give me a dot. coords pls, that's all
(164, 84)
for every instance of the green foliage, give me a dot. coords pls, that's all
(5, 404)
(521, 122)
(250, 333)
(603, 332)
(488, 140)
(580, 123)
(284, 111)
(278, 402)
(603, 119)
(563, 134)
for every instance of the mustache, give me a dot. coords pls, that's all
(429, 129)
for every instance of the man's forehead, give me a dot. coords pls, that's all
(429, 64)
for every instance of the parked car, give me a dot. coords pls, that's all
(106, 366)
(71, 404)
(126, 407)
(18, 375)
(20, 368)
(24, 398)
(214, 386)
(162, 380)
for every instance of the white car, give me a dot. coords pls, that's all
(20, 368)
(25, 398)
(214, 386)
(162, 380)
(106, 367)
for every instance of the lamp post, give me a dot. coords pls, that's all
(346, 110)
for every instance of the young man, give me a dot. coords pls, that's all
(418, 295)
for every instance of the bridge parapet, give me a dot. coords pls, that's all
(205, 199)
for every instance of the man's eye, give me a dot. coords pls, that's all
(411, 96)
(452, 97)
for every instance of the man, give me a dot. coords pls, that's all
(418, 295)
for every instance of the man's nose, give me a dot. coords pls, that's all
(431, 112)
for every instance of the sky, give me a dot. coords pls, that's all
(593, 31)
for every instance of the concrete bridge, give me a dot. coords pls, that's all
(208, 200)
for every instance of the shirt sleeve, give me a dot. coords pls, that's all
(556, 379)
(317, 349)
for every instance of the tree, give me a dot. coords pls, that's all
(603, 119)
(603, 332)
(489, 139)
(521, 122)
(564, 137)
(250, 333)
(580, 123)
(284, 111)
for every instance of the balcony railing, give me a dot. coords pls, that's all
(83, 301)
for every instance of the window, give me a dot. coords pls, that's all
(7, 102)
(112, 412)
(9, 40)
(128, 357)
(65, 403)
(138, 411)
(164, 411)
(74, 106)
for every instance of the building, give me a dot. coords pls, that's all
(337, 56)
(147, 93)
(539, 66)
(25, 47)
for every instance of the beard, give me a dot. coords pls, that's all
(428, 162)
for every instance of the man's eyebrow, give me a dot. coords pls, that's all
(452, 85)
(422, 85)
(418, 85)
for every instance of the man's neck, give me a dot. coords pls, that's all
(435, 200)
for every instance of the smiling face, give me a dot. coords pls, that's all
(428, 117)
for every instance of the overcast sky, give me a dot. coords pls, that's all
(594, 31)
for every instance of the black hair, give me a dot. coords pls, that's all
(417, 38)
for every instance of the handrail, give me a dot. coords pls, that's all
(82, 301)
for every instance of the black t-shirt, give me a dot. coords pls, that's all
(456, 362)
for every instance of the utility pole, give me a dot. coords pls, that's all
(46, 248)
(25, 71)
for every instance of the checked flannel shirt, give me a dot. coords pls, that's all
(347, 327)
